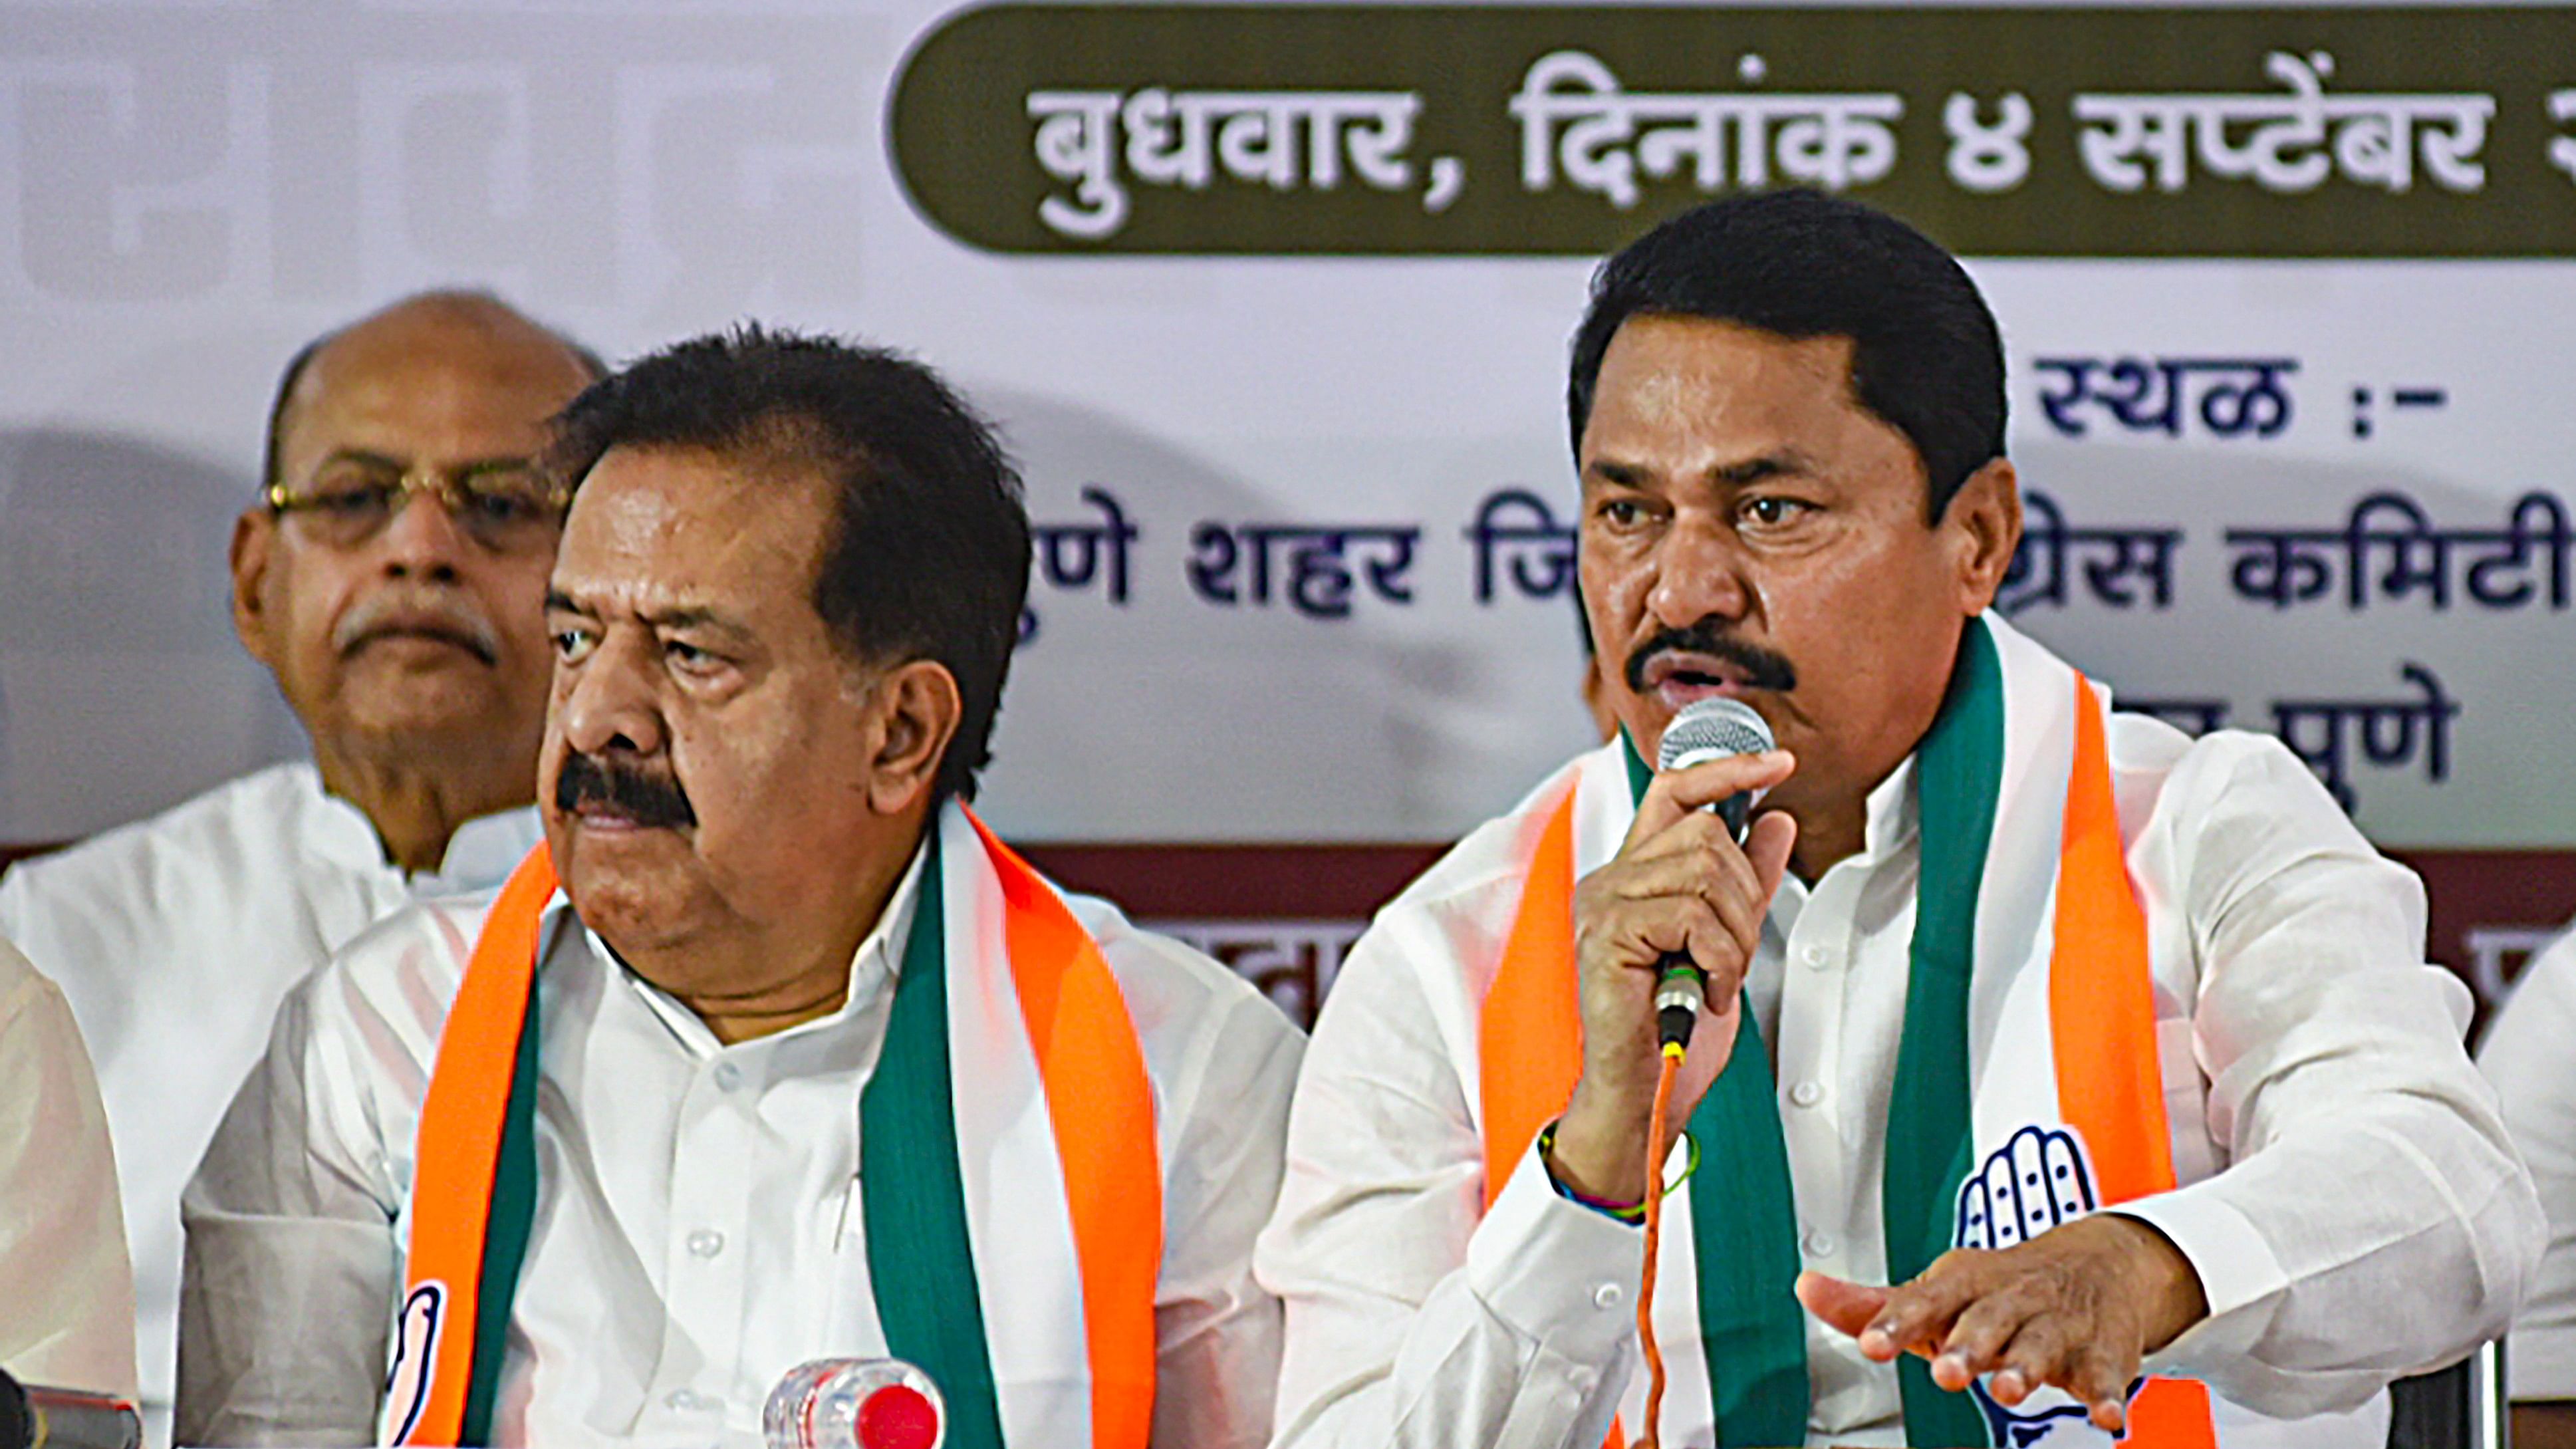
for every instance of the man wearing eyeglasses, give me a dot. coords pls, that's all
(392, 576)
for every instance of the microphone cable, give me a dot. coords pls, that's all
(1671, 1069)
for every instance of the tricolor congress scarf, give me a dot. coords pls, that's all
(1010, 1171)
(2022, 896)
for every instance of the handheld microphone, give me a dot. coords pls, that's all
(1711, 729)
(41, 1418)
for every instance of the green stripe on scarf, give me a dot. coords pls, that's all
(913, 1192)
(1752, 1331)
(1958, 772)
(505, 1234)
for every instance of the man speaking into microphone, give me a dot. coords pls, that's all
(2059, 1076)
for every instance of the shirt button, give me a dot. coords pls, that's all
(728, 1076)
(706, 1242)
(1817, 956)
(1820, 1245)
(682, 1401)
(1806, 1094)
(1607, 1296)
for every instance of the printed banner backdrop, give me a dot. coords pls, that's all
(1273, 302)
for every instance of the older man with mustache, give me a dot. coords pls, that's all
(771, 1052)
(392, 577)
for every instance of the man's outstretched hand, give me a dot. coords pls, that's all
(2077, 1308)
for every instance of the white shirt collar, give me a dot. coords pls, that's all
(483, 852)
(480, 854)
(1889, 826)
(874, 967)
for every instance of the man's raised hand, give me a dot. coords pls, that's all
(1679, 883)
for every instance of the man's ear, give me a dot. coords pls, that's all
(1984, 520)
(253, 553)
(918, 709)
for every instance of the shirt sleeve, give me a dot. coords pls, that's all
(64, 1275)
(292, 1264)
(1216, 1329)
(1414, 1318)
(2527, 1057)
(2369, 1218)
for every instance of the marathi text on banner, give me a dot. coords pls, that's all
(1279, 139)
(2285, 143)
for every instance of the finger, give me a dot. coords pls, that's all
(2100, 1376)
(2036, 1356)
(1847, 1308)
(1711, 781)
(1648, 931)
(1918, 1314)
(1718, 877)
(1676, 793)
(1693, 857)
(1674, 905)
(1975, 1342)
(1699, 855)
(1718, 949)
(1766, 848)
(1733, 891)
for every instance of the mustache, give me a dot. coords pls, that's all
(1763, 668)
(413, 611)
(649, 798)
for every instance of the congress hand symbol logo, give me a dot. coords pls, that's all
(2037, 1180)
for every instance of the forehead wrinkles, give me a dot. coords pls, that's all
(663, 528)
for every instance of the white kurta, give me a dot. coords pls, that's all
(66, 1298)
(2530, 1055)
(699, 1230)
(2349, 1198)
(174, 939)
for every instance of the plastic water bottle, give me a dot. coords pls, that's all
(855, 1403)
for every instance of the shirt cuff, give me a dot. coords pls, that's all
(1555, 1271)
(2240, 1275)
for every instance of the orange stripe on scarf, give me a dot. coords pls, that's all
(461, 1118)
(1103, 1111)
(2101, 1007)
(1530, 1030)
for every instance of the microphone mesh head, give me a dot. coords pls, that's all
(1712, 729)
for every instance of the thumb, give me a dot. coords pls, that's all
(1767, 843)
(1845, 1307)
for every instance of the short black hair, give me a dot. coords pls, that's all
(272, 464)
(1927, 356)
(928, 557)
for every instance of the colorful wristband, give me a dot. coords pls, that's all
(1626, 1212)
(1631, 1213)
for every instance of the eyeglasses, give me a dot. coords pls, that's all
(507, 507)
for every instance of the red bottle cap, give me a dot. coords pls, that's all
(897, 1416)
